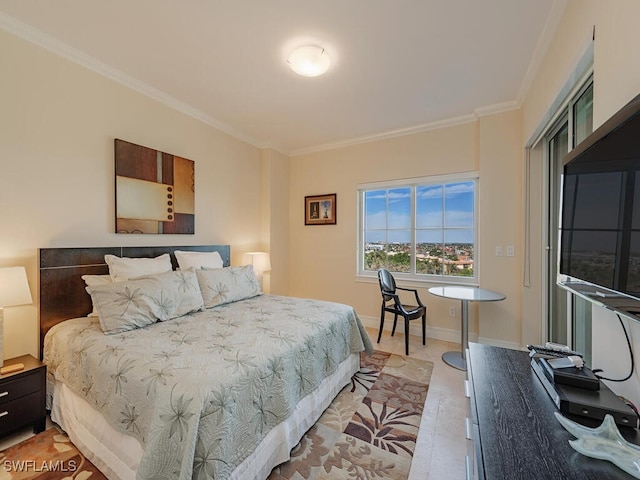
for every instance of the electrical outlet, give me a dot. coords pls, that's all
(510, 251)
(452, 311)
(499, 251)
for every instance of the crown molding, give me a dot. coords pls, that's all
(446, 123)
(450, 122)
(496, 108)
(37, 37)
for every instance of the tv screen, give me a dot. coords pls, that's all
(600, 218)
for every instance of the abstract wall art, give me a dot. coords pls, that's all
(155, 191)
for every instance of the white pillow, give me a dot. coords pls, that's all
(197, 260)
(122, 269)
(226, 285)
(148, 300)
(92, 280)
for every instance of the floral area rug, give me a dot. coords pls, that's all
(369, 431)
(49, 455)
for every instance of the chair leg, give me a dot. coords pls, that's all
(395, 321)
(381, 323)
(424, 328)
(406, 336)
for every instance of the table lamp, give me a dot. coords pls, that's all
(260, 262)
(14, 290)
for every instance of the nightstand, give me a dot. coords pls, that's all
(22, 395)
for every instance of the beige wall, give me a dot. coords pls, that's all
(57, 126)
(323, 258)
(500, 223)
(275, 220)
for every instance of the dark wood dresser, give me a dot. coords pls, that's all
(22, 396)
(514, 432)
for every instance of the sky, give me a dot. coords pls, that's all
(388, 212)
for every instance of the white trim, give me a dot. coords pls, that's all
(496, 108)
(412, 182)
(575, 81)
(401, 132)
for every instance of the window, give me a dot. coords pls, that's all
(568, 317)
(423, 229)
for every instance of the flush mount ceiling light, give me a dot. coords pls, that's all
(309, 60)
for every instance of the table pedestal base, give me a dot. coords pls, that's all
(455, 360)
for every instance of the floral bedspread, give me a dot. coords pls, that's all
(201, 391)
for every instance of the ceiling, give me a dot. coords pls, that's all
(398, 66)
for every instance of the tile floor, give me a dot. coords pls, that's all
(441, 445)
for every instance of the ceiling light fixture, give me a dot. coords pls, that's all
(309, 60)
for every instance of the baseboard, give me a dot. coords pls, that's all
(437, 333)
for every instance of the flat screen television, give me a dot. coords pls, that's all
(600, 213)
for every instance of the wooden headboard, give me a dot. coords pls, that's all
(62, 290)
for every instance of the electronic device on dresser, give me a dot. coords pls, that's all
(575, 389)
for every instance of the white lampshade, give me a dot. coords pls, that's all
(14, 290)
(259, 260)
(309, 60)
(14, 287)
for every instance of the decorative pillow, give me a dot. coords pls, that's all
(91, 280)
(122, 269)
(226, 285)
(198, 259)
(137, 303)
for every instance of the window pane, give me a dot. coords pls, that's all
(375, 236)
(429, 250)
(583, 116)
(429, 206)
(458, 252)
(458, 204)
(375, 209)
(399, 208)
(375, 256)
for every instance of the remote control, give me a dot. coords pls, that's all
(552, 350)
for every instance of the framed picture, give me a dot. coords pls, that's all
(155, 191)
(320, 209)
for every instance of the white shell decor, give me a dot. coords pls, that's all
(605, 443)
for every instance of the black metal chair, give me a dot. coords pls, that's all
(391, 303)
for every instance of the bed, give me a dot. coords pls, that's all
(223, 391)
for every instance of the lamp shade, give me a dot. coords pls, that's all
(259, 260)
(14, 287)
(309, 60)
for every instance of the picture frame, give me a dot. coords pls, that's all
(320, 209)
(154, 191)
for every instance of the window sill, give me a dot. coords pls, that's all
(412, 282)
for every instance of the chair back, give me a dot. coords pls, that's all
(387, 283)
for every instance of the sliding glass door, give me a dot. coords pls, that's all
(568, 316)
